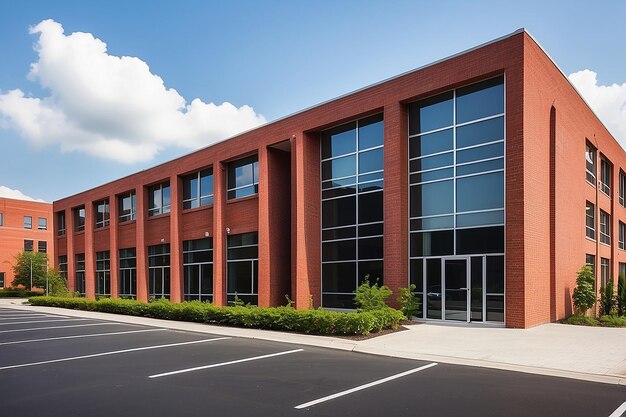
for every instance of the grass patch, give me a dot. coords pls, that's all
(580, 320)
(613, 321)
(314, 321)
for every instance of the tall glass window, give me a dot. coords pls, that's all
(63, 266)
(159, 271)
(456, 201)
(80, 273)
(198, 269)
(605, 228)
(128, 273)
(103, 274)
(159, 199)
(79, 219)
(28, 222)
(61, 223)
(198, 189)
(127, 206)
(622, 235)
(605, 176)
(622, 188)
(605, 271)
(243, 177)
(42, 246)
(352, 209)
(590, 163)
(102, 214)
(42, 223)
(590, 221)
(28, 245)
(591, 261)
(242, 268)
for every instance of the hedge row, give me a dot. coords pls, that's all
(318, 321)
(17, 293)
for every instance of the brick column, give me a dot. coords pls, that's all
(71, 259)
(176, 265)
(219, 235)
(264, 230)
(306, 226)
(395, 201)
(142, 260)
(90, 255)
(113, 246)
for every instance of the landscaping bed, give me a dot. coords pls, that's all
(604, 321)
(312, 321)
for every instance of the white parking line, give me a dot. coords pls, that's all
(25, 316)
(215, 365)
(115, 352)
(62, 327)
(620, 410)
(39, 321)
(80, 336)
(362, 387)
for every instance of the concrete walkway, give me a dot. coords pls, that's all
(587, 353)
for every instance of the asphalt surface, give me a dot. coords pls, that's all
(52, 365)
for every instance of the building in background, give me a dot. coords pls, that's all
(484, 179)
(24, 225)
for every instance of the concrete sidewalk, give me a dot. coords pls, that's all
(587, 353)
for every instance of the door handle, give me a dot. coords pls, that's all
(464, 288)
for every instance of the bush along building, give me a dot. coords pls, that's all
(484, 179)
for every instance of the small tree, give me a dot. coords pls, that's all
(584, 296)
(26, 260)
(606, 298)
(409, 304)
(371, 297)
(57, 286)
(621, 295)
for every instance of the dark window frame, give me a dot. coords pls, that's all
(606, 170)
(232, 189)
(157, 209)
(42, 225)
(605, 228)
(591, 162)
(28, 222)
(79, 225)
(201, 198)
(590, 221)
(129, 215)
(106, 213)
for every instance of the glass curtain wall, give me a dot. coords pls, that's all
(242, 268)
(103, 274)
(80, 273)
(352, 209)
(159, 271)
(198, 269)
(128, 273)
(456, 207)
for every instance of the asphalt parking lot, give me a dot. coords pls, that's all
(53, 365)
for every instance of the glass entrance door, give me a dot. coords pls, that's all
(455, 283)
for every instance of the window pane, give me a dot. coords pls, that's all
(339, 212)
(340, 167)
(482, 152)
(370, 207)
(480, 240)
(372, 268)
(239, 277)
(480, 192)
(438, 174)
(495, 308)
(339, 141)
(482, 132)
(431, 162)
(370, 161)
(371, 248)
(480, 100)
(432, 243)
(343, 250)
(431, 113)
(432, 198)
(479, 219)
(431, 143)
(480, 167)
(339, 277)
(429, 223)
(371, 132)
(417, 274)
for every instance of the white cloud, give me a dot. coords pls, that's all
(7, 192)
(109, 106)
(608, 101)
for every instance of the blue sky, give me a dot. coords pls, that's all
(277, 57)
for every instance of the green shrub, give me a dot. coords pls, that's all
(409, 304)
(9, 292)
(613, 321)
(579, 320)
(606, 298)
(584, 296)
(621, 295)
(318, 321)
(371, 297)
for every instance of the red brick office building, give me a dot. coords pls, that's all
(484, 179)
(24, 225)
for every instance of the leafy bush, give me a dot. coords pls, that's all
(371, 297)
(606, 298)
(621, 295)
(613, 321)
(579, 320)
(409, 304)
(584, 296)
(10, 292)
(318, 321)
